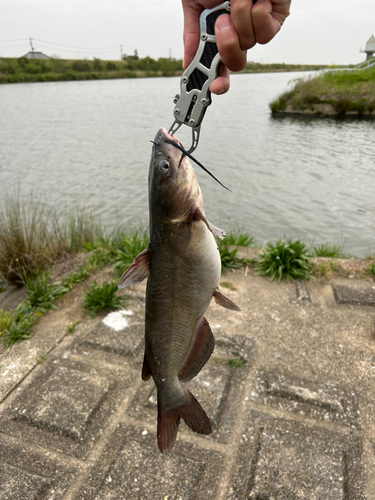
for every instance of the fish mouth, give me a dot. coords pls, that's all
(164, 136)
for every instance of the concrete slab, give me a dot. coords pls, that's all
(356, 292)
(289, 389)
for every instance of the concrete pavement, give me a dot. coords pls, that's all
(289, 390)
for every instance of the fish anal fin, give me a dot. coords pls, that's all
(169, 420)
(199, 214)
(200, 351)
(138, 271)
(224, 301)
(146, 370)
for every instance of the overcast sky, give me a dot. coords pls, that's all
(317, 31)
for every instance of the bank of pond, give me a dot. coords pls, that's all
(25, 70)
(342, 93)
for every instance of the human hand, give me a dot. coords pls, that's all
(248, 23)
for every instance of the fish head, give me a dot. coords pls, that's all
(173, 186)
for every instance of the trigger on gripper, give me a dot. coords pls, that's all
(195, 139)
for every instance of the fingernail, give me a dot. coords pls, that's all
(223, 22)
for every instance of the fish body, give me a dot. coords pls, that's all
(183, 266)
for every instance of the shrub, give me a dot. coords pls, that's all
(41, 295)
(129, 248)
(102, 298)
(285, 260)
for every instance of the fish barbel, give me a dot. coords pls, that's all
(183, 266)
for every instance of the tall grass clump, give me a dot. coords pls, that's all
(326, 250)
(284, 260)
(129, 246)
(229, 259)
(102, 298)
(34, 235)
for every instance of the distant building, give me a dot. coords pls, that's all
(36, 55)
(370, 48)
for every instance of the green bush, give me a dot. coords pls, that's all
(41, 295)
(102, 298)
(285, 260)
(129, 248)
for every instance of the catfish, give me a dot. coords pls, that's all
(183, 266)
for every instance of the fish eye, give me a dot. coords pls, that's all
(164, 166)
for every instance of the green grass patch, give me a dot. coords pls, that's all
(42, 295)
(229, 259)
(16, 70)
(102, 298)
(34, 235)
(235, 363)
(371, 269)
(326, 250)
(284, 260)
(345, 91)
(128, 248)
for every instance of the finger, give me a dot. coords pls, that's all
(191, 33)
(228, 44)
(268, 17)
(221, 84)
(240, 13)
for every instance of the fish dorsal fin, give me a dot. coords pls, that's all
(146, 370)
(138, 271)
(224, 301)
(199, 353)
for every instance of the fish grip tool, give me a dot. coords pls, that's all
(194, 98)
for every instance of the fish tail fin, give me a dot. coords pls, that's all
(169, 420)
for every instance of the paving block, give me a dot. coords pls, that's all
(357, 292)
(139, 471)
(17, 484)
(27, 472)
(119, 333)
(217, 388)
(283, 460)
(65, 402)
(324, 402)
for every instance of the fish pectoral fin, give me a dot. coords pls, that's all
(138, 271)
(146, 370)
(200, 351)
(199, 214)
(224, 301)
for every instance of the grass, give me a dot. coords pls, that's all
(235, 363)
(42, 295)
(128, 248)
(343, 92)
(284, 260)
(228, 257)
(325, 250)
(326, 269)
(15, 70)
(371, 269)
(102, 298)
(34, 235)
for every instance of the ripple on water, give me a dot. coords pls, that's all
(89, 142)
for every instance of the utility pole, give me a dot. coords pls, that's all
(31, 44)
(122, 55)
(170, 54)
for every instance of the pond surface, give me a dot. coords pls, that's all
(89, 141)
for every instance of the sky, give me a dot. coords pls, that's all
(316, 32)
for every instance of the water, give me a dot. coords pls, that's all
(295, 177)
